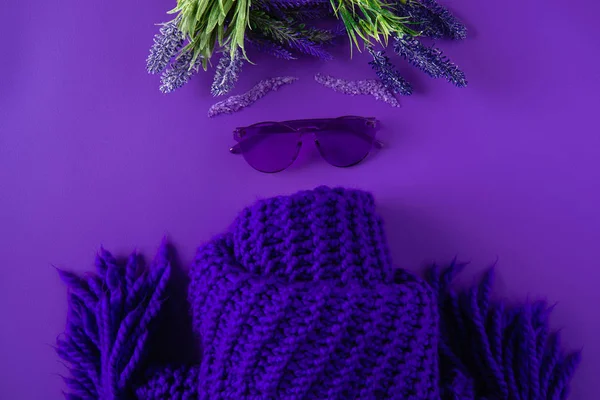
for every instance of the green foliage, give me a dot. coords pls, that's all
(370, 20)
(277, 30)
(319, 36)
(208, 22)
(286, 32)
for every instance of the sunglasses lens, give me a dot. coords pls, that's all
(346, 141)
(270, 147)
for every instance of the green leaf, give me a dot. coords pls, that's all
(240, 23)
(213, 19)
(226, 7)
(202, 8)
(191, 17)
(195, 56)
(220, 36)
(190, 27)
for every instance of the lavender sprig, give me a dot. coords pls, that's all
(310, 13)
(271, 48)
(371, 87)
(432, 19)
(179, 73)
(294, 37)
(443, 19)
(240, 101)
(429, 59)
(387, 73)
(227, 73)
(166, 44)
(298, 10)
(288, 4)
(307, 47)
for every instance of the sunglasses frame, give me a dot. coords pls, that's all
(303, 126)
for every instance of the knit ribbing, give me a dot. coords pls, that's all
(297, 301)
(314, 235)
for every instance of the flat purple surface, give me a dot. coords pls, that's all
(92, 153)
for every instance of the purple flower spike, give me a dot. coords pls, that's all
(287, 4)
(312, 49)
(369, 86)
(241, 101)
(429, 59)
(179, 73)
(166, 44)
(388, 75)
(443, 20)
(227, 73)
(271, 48)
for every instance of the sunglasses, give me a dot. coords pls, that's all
(274, 146)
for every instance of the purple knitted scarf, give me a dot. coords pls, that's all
(299, 300)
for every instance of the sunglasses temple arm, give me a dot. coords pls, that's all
(235, 149)
(377, 143)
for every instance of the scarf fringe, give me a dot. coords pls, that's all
(107, 331)
(489, 350)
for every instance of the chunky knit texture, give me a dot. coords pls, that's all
(298, 300)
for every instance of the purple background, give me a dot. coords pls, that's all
(91, 153)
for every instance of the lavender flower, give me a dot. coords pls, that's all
(291, 36)
(240, 101)
(299, 10)
(369, 86)
(307, 47)
(271, 48)
(310, 13)
(429, 59)
(287, 4)
(227, 73)
(166, 44)
(421, 18)
(178, 74)
(387, 74)
(443, 20)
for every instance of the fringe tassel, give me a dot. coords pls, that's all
(491, 351)
(173, 383)
(487, 349)
(108, 324)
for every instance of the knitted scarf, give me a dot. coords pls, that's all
(299, 300)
